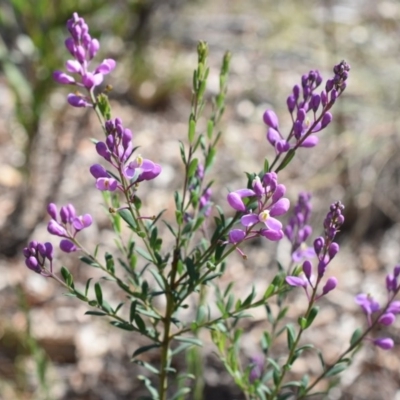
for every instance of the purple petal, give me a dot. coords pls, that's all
(249, 219)
(271, 119)
(394, 307)
(82, 222)
(387, 319)
(330, 284)
(245, 192)
(384, 343)
(63, 78)
(273, 136)
(77, 101)
(273, 224)
(106, 66)
(67, 246)
(296, 281)
(106, 184)
(236, 202)
(73, 66)
(236, 236)
(98, 171)
(54, 228)
(52, 211)
(311, 141)
(274, 236)
(148, 175)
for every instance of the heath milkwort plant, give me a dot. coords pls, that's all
(203, 238)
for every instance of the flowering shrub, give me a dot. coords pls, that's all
(200, 250)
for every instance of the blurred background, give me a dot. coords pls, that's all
(48, 348)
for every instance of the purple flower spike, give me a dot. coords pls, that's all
(330, 284)
(82, 48)
(384, 343)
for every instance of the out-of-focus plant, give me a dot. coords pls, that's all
(146, 271)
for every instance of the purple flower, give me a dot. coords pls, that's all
(330, 284)
(36, 255)
(67, 246)
(257, 367)
(368, 304)
(106, 184)
(236, 236)
(299, 281)
(298, 230)
(66, 225)
(138, 166)
(149, 174)
(384, 343)
(235, 198)
(387, 319)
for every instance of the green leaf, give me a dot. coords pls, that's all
(182, 150)
(181, 392)
(99, 293)
(67, 276)
(143, 349)
(311, 316)
(122, 325)
(289, 156)
(132, 311)
(144, 254)
(210, 158)
(337, 369)
(192, 167)
(191, 340)
(192, 128)
(97, 313)
(137, 202)
(127, 217)
(110, 263)
(356, 336)
(266, 166)
(210, 128)
(159, 279)
(87, 286)
(140, 323)
(269, 292)
(291, 335)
